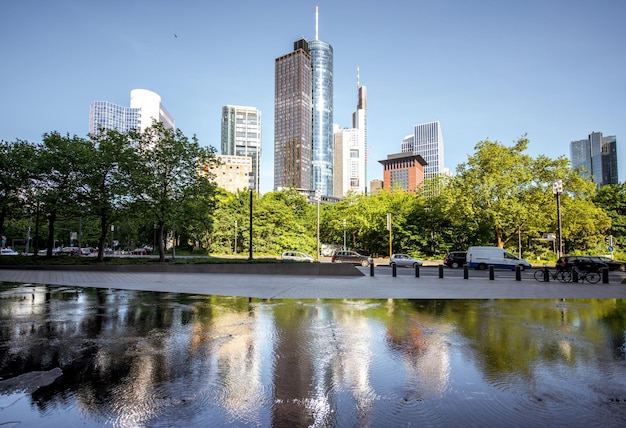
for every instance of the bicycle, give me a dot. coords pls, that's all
(590, 276)
(560, 275)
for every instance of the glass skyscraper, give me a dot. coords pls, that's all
(241, 136)
(292, 118)
(145, 106)
(303, 117)
(597, 156)
(322, 67)
(427, 141)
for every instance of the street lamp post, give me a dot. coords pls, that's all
(235, 249)
(344, 234)
(250, 244)
(557, 189)
(317, 198)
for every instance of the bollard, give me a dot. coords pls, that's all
(465, 272)
(518, 273)
(393, 270)
(491, 275)
(546, 274)
(417, 271)
(440, 271)
(605, 275)
(371, 269)
(574, 275)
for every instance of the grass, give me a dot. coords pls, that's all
(135, 260)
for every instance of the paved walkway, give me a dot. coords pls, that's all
(322, 287)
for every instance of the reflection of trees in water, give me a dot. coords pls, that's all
(132, 356)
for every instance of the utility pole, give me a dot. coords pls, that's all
(389, 229)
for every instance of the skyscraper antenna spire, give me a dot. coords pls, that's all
(316, 22)
(358, 78)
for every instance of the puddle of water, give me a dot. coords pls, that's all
(94, 357)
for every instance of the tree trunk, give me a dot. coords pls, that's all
(52, 217)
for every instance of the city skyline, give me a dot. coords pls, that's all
(483, 71)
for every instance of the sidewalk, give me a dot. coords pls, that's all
(318, 287)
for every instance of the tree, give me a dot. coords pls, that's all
(612, 199)
(59, 178)
(506, 194)
(107, 179)
(16, 163)
(173, 170)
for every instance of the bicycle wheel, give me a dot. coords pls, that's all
(539, 275)
(564, 276)
(592, 277)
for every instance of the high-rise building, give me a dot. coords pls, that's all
(609, 160)
(597, 156)
(403, 171)
(350, 153)
(145, 106)
(309, 66)
(322, 68)
(427, 141)
(293, 115)
(241, 136)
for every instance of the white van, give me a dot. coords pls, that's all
(499, 258)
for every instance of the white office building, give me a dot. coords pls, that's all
(350, 151)
(145, 107)
(427, 141)
(241, 136)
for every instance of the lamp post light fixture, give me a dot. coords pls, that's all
(557, 189)
(317, 199)
(250, 243)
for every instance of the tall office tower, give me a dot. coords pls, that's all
(322, 68)
(350, 153)
(104, 115)
(609, 160)
(303, 117)
(145, 106)
(241, 136)
(149, 103)
(292, 118)
(359, 121)
(427, 141)
(597, 155)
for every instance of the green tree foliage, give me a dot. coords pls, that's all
(505, 193)
(60, 176)
(612, 199)
(173, 171)
(16, 169)
(107, 180)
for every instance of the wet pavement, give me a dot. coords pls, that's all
(381, 286)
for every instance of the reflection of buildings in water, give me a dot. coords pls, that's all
(353, 366)
(425, 355)
(237, 372)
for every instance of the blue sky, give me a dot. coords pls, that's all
(486, 69)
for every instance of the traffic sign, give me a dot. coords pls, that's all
(611, 248)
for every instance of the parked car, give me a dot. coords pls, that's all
(404, 260)
(612, 264)
(69, 251)
(589, 263)
(143, 251)
(349, 256)
(297, 256)
(8, 252)
(44, 251)
(482, 257)
(455, 259)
